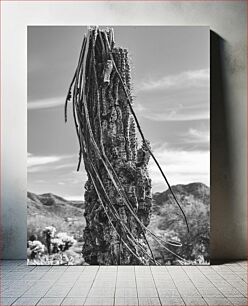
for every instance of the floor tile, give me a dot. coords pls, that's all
(126, 301)
(126, 283)
(58, 291)
(164, 292)
(75, 269)
(30, 301)
(217, 301)
(50, 301)
(84, 280)
(7, 300)
(189, 293)
(126, 292)
(210, 292)
(230, 292)
(13, 292)
(107, 292)
(125, 269)
(199, 301)
(108, 268)
(147, 292)
(149, 301)
(145, 282)
(38, 290)
(58, 269)
(99, 301)
(73, 301)
(166, 301)
(79, 291)
(41, 268)
(239, 301)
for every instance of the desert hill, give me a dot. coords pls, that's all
(49, 209)
(166, 220)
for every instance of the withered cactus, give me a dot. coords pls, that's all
(118, 196)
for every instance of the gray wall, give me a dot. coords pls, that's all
(227, 20)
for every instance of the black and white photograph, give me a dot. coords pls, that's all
(118, 145)
(123, 153)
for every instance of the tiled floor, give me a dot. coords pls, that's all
(90, 285)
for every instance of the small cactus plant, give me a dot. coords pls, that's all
(49, 233)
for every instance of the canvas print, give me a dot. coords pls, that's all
(118, 145)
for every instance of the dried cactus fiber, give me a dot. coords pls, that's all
(118, 195)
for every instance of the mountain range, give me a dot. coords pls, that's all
(68, 216)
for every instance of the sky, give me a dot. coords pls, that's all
(170, 80)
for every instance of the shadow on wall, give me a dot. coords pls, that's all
(224, 227)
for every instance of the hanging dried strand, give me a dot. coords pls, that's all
(86, 89)
(69, 95)
(96, 178)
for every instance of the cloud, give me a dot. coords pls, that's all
(61, 183)
(74, 198)
(191, 78)
(180, 97)
(188, 106)
(138, 107)
(36, 163)
(177, 114)
(180, 167)
(66, 166)
(41, 160)
(46, 103)
(196, 136)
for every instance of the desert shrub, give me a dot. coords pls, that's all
(37, 223)
(68, 241)
(62, 242)
(168, 224)
(56, 251)
(65, 258)
(35, 248)
(50, 231)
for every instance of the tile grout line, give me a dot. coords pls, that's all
(136, 284)
(155, 285)
(92, 284)
(218, 273)
(39, 298)
(45, 292)
(72, 286)
(230, 283)
(28, 297)
(30, 286)
(14, 300)
(211, 283)
(43, 296)
(237, 273)
(115, 284)
(38, 301)
(175, 285)
(38, 281)
(193, 284)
